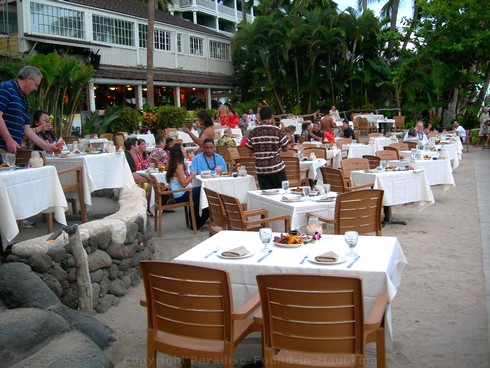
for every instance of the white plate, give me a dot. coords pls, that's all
(326, 199)
(291, 200)
(249, 254)
(270, 191)
(281, 245)
(341, 259)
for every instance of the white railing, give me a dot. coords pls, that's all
(206, 4)
(185, 3)
(226, 10)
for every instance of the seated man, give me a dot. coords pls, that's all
(226, 139)
(131, 150)
(208, 159)
(459, 131)
(348, 131)
(419, 128)
(316, 133)
(411, 136)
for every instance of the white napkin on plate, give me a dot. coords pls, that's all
(290, 197)
(327, 257)
(235, 252)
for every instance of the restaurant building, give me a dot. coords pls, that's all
(192, 62)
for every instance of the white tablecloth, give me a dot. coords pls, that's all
(371, 118)
(380, 142)
(439, 172)
(400, 187)
(380, 266)
(25, 193)
(149, 139)
(313, 168)
(100, 171)
(297, 210)
(357, 150)
(388, 122)
(235, 187)
(451, 153)
(186, 138)
(100, 144)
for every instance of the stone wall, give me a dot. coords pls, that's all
(115, 245)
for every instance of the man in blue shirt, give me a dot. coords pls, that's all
(14, 111)
(208, 159)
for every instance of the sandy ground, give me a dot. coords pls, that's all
(440, 311)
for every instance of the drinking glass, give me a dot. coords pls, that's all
(265, 236)
(351, 238)
(152, 167)
(218, 170)
(285, 185)
(382, 164)
(3, 157)
(10, 159)
(306, 191)
(326, 188)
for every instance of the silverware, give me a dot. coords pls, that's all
(214, 251)
(304, 259)
(354, 261)
(263, 257)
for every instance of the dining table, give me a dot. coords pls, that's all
(371, 118)
(100, 171)
(380, 142)
(357, 150)
(28, 192)
(383, 125)
(439, 172)
(400, 187)
(312, 166)
(277, 204)
(451, 153)
(380, 264)
(100, 144)
(233, 186)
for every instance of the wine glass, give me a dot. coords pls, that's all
(326, 188)
(285, 185)
(351, 238)
(382, 164)
(3, 157)
(10, 159)
(306, 191)
(218, 170)
(265, 236)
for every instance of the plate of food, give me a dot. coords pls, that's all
(270, 191)
(296, 190)
(327, 258)
(291, 240)
(225, 173)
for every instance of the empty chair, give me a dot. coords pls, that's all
(400, 146)
(318, 321)
(249, 164)
(164, 201)
(217, 215)
(288, 153)
(244, 151)
(387, 155)
(319, 152)
(374, 135)
(341, 142)
(119, 140)
(412, 145)
(351, 164)
(107, 136)
(399, 125)
(71, 140)
(373, 161)
(335, 177)
(170, 132)
(238, 218)
(358, 210)
(190, 313)
(391, 149)
(295, 176)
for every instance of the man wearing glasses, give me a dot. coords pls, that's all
(14, 111)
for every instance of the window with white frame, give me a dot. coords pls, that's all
(162, 40)
(112, 30)
(219, 50)
(179, 42)
(142, 35)
(195, 46)
(57, 21)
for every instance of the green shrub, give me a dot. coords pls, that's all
(128, 121)
(171, 117)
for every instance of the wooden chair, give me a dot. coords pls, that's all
(335, 177)
(169, 132)
(319, 152)
(244, 151)
(387, 155)
(399, 125)
(190, 313)
(340, 145)
(24, 155)
(309, 145)
(392, 149)
(249, 164)
(293, 172)
(358, 210)
(288, 153)
(411, 145)
(234, 155)
(327, 317)
(351, 164)
(161, 132)
(374, 135)
(400, 146)
(107, 136)
(467, 142)
(238, 218)
(217, 214)
(71, 140)
(373, 161)
(164, 201)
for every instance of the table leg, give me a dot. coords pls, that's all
(387, 219)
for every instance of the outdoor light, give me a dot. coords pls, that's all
(112, 88)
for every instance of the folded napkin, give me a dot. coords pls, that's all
(235, 252)
(290, 197)
(270, 191)
(327, 257)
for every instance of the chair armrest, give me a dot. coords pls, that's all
(71, 169)
(362, 186)
(143, 303)
(376, 316)
(262, 212)
(322, 219)
(265, 221)
(248, 308)
(258, 317)
(176, 191)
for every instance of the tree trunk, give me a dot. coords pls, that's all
(150, 100)
(486, 84)
(364, 5)
(244, 10)
(415, 17)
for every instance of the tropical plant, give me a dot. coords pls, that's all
(171, 117)
(128, 121)
(99, 122)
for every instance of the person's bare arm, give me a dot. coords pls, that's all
(181, 176)
(12, 145)
(38, 141)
